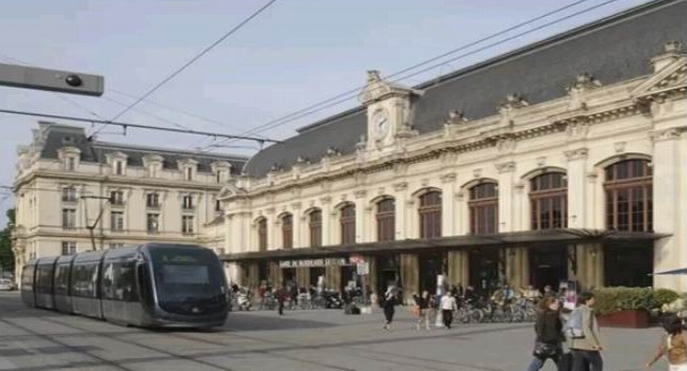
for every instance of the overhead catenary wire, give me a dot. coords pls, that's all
(193, 60)
(344, 97)
(125, 126)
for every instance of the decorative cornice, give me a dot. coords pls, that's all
(505, 167)
(325, 200)
(402, 186)
(296, 205)
(576, 154)
(448, 178)
(360, 194)
(667, 134)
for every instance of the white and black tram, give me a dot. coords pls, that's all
(152, 285)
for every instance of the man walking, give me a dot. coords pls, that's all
(448, 306)
(586, 348)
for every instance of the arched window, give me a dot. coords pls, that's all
(262, 234)
(628, 187)
(484, 208)
(287, 231)
(430, 215)
(386, 219)
(549, 201)
(315, 228)
(347, 222)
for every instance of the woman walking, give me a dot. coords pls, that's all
(388, 306)
(421, 309)
(673, 345)
(549, 329)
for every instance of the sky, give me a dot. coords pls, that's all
(295, 54)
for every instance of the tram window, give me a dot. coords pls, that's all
(118, 281)
(62, 279)
(107, 281)
(27, 278)
(44, 279)
(86, 277)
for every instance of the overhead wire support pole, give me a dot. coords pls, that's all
(139, 126)
(91, 228)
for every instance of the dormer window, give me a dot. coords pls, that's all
(187, 167)
(119, 167)
(70, 163)
(153, 163)
(118, 162)
(218, 205)
(221, 171)
(188, 174)
(69, 156)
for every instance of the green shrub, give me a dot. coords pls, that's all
(615, 299)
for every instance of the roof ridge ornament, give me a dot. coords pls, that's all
(582, 83)
(377, 88)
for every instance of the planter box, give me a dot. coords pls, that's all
(625, 318)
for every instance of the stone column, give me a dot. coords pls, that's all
(590, 265)
(303, 276)
(298, 221)
(401, 203)
(517, 267)
(333, 277)
(462, 212)
(666, 194)
(363, 221)
(409, 275)
(327, 217)
(448, 205)
(271, 229)
(275, 273)
(506, 176)
(458, 267)
(371, 279)
(577, 188)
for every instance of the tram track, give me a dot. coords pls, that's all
(72, 348)
(168, 355)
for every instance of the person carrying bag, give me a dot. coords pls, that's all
(549, 330)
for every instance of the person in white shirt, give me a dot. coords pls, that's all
(448, 306)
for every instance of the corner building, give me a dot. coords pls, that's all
(563, 160)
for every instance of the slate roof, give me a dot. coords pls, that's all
(59, 136)
(612, 49)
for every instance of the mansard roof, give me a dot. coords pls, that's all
(56, 136)
(613, 49)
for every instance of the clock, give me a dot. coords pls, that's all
(381, 122)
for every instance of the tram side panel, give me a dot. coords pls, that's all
(63, 300)
(84, 288)
(44, 283)
(27, 284)
(120, 298)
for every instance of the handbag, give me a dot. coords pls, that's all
(417, 311)
(545, 350)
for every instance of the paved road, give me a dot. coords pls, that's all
(39, 340)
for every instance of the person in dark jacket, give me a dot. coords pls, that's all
(549, 329)
(421, 305)
(388, 304)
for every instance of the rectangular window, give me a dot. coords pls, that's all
(117, 221)
(153, 200)
(115, 245)
(187, 224)
(68, 218)
(187, 202)
(189, 173)
(117, 198)
(68, 247)
(70, 163)
(218, 175)
(218, 205)
(68, 194)
(119, 167)
(153, 223)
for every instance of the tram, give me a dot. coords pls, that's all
(151, 285)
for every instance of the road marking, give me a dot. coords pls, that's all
(5, 364)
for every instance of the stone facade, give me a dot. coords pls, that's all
(65, 182)
(579, 135)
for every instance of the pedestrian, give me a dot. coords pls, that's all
(673, 345)
(388, 306)
(586, 349)
(281, 298)
(448, 306)
(549, 330)
(421, 309)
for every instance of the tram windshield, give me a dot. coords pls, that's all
(186, 274)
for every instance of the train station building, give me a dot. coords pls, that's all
(563, 160)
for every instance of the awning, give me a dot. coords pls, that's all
(674, 271)
(531, 238)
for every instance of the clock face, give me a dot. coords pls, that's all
(382, 125)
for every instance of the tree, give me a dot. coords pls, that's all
(6, 253)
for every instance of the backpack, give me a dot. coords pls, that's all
(573, 328)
